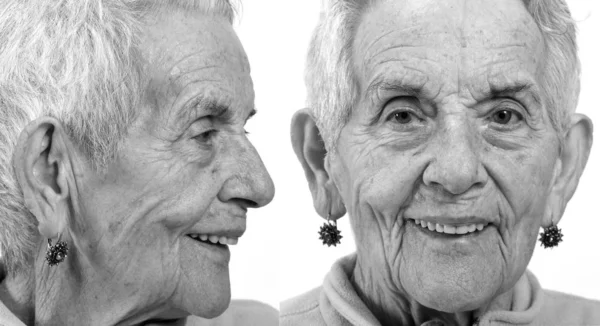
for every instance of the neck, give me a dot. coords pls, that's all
(393, 306)
(16, 293)
(73, 293)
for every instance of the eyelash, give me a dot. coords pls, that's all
(205, 137)
(520, 116)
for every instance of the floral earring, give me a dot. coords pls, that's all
(329, 232)
(550, 237)
(57, 253)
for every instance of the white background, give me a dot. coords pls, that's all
(280, 255)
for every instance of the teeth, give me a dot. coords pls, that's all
(450, 229)
(214, 239)
(431, 226)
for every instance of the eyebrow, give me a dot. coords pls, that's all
(514, 88)
(212, 107)
(396, 86)
(252, 113)
(496, 90)
(216, 109)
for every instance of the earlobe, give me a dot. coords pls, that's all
(312, 154)
(41, 164)
(569, 167)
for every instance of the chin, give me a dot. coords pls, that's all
(207, 298)
(453, 291)
(216, 306)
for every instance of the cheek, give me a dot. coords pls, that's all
(382, 185)
(525, 181)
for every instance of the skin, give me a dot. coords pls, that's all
(444, 131)
(186, 166)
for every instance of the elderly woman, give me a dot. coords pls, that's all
(447, 131)
(125, 171)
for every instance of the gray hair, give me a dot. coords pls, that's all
(76, 61)
(332, 88)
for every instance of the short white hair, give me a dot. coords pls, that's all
(79, 62)
(332, 88)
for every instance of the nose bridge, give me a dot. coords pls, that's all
(456, 166)
(249, 179)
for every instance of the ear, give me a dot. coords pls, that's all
(569, 167)
(42, 166)
(310, 150)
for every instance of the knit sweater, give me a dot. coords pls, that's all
(336, 303)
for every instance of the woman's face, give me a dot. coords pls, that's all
(448, 133)
(185, 169)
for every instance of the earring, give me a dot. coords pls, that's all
(57, 253)
(329, 232)
(551, 236)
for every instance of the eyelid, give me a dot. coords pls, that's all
(512, 103)
(202, 125)
(409, 110)
(385, 106)
(516, 108)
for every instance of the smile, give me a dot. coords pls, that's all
(213, 239)
(451, 229)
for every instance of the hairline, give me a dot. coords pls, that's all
(331, 137)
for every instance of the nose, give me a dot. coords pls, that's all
(249, 183)
(456, 167)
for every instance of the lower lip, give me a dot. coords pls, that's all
(216, 251)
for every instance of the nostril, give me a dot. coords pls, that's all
(246, 203)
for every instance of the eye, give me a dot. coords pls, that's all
(506, 117)
(402, 117)
(206, 137)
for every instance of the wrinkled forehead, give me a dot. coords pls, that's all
(453, 23)
(195, 52)
(170, 36)
(448, 46)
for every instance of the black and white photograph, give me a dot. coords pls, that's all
(310, 163)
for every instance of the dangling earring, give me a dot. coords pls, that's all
(551, 236)
(329, 232)
(57, 253)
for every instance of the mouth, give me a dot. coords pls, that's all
(456, 229)
(212, 239)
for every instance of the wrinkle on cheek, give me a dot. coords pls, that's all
(395, 241)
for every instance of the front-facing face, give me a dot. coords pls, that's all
(157, 225)
(448, 157)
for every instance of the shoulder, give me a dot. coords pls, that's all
(566, 309)
(302, 310)
(241, 312)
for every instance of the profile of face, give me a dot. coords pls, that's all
(448, 164)
(154, 226)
